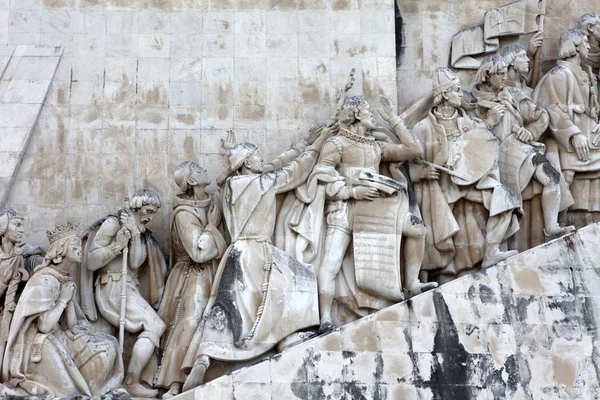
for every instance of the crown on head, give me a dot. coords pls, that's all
(62, 231)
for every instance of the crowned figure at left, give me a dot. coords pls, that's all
(52, 349)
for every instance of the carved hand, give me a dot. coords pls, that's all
(313, 133)
(214, 215)
(535, 44)
(582, 147)
(229, 143)
(123, 237)
(365, 193)
(66, 292)
(128, 221)
(495, 114)
(430, 173)
(524, 135)
(387, 111)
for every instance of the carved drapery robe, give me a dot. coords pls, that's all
(260, 294)
(456, 215)
(567, 93)
(196, 247)
(61, 362)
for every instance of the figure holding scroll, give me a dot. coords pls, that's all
(369, 210)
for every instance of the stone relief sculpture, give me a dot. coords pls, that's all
(569, 94)
(467, 210)
(329, 231)
(519, 125)
(590, 24)
(260, 294)
(361, 196)
(12, 269)
(196, 246)
(52, 350)
(123, 230)
(521, 17)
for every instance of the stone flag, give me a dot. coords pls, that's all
(471, 45)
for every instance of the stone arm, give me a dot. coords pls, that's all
(535, 118)
(48, 319)
(331, 156)
(281, 160)
(137, 251)
(409, 149)
(201, 243)
(104, 247)
(295, 173)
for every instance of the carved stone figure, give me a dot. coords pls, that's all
(468, 212)
(52, 350)
(145, 271)
(518, 123)
(260, 294)
(360, 211)
(12, 269)
(569, 95)
(590, 24)
(196, 246)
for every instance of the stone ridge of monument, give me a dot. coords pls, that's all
(513, 329)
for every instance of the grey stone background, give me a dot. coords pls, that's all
(146, 84)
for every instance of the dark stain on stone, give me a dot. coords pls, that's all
(224, 312)
(348, 354)
(355, 391)
(378, 374)
(453, 371)
(399, 25)
(496, 381)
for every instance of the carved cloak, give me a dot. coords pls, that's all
(57, 363)
(260, 294)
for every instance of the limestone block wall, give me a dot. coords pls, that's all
(427, 27)
(146, 84)
(25, 76)
(527, 328)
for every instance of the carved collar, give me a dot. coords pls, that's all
(355, 137)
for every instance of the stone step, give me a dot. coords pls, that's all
(524, 328)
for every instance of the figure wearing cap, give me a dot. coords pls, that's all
(519, 126)
(467, 218)
(261, 294)
(52, 350)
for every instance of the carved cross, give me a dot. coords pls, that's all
(502, 19)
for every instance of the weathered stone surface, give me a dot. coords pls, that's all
(524, 328)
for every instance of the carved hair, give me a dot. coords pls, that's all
(490, 65)
(350, 109)
(510, 53)
(569, 42)
(184, 171)
(587, 20)
(144, 197)
(6, 214)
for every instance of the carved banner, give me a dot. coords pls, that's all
(377, 230)
(471, 45)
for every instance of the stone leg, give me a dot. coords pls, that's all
(495, 229)
(549, 177)
(414, 231)
(196, 376)
(142, 352)
(336, 244)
